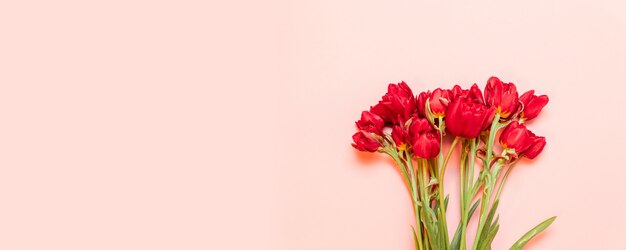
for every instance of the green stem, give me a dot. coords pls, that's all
(414, 195)
(411, 186)
(504, 180)
(440, 168)
(486, 197)
(462, 185)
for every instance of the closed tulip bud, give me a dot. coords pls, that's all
(516, 136)
(426, 145)
(364, 141)
(532, 104)
(536, 147)
(425, 140)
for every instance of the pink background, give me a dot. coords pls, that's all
(204, 125)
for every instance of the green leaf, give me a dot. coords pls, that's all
(488, 222)
(486, 243)
(530, 234)
(456, 240)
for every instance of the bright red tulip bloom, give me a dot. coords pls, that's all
(467, 118)
(425, 140)
(516, 136)
(502, 96)
(397, 106)
(532, 104)
(363, 141)
(371, 122)
(426, 145)
(439, 100)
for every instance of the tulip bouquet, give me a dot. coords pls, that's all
(412, 131)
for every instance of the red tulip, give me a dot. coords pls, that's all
(371, 122)
(502, 96)
(397, 106)
(425, 139)
(439, 100)
(363, 141)
(516, 136)
(536, 147)
(532, 104)
(426, 145)
(467, 118)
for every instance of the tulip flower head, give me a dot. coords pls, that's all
(502, 96)
(371, 122)
(467, 118)
(522, 141)
(532, 105)
(397, 105)
(438, 100)
(365, 141)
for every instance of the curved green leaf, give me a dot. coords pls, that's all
(530, 234)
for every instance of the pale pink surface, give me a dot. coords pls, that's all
(194, 125)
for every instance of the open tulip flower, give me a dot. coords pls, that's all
(418, 126)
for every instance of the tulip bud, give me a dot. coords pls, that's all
(524, 142)
(426, 145)
(425, 139)
(532, 105)
(536, 147)
(364, 141)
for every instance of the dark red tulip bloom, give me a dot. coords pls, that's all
(502, 96)
(473, 93)
(425, 140)
(426, 145)
(364, 141)
(532, 104)
(516, 136)
(467, 118)
(371, 122)
(400, 136)
(397, 106)
(439, 100)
